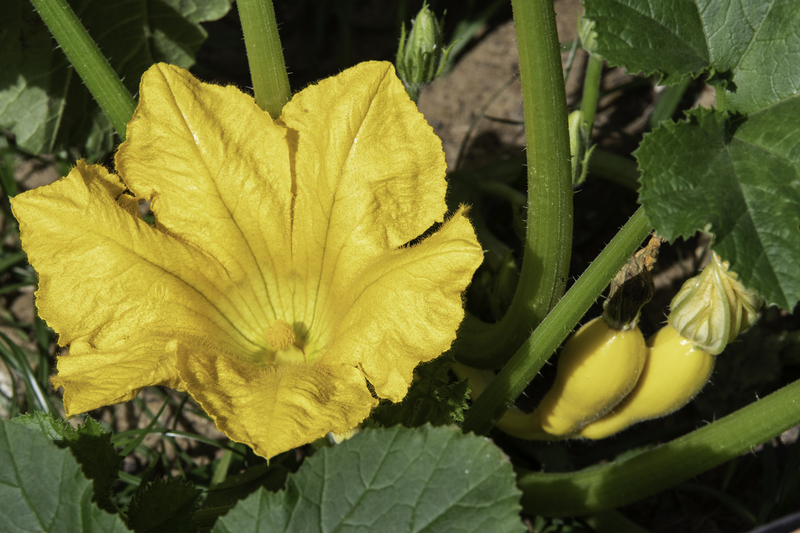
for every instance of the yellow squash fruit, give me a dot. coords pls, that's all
(673, 374)
(597, 368)
(518, 423)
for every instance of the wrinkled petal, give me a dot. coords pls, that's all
(406, 307)
(274, 409)
(93, 378)
(118, 291)
(370, 177)
(217, 171)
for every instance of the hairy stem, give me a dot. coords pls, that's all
(548, 244)
(107, 89)
(265, 55)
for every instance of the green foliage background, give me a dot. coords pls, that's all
(45, 104)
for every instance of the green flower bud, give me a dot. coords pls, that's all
(711, 309)
(422, 56)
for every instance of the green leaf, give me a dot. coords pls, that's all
(42, 487)
(734, 175)
(164, 506)
(45, 104)
(426, 479)
(90, 445)
(50, 427)
(750, 46)
(738, 179)
(431, 399)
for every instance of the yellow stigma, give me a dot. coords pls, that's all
(279, 335)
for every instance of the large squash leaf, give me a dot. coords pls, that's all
(734, 172)
(43, 489)
(427, 479)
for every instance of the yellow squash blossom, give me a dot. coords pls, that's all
(277, 286)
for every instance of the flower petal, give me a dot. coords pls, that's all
(405, 309)
(93, 378)
(274, 409)
(370, 176)
(118, 291)
(218, 173)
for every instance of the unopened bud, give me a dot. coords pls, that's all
(712, 308)
(422, 56)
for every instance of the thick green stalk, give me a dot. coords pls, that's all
(107, 89)
(265, 55)
(535, 351)
(622, 482)
(548, 245)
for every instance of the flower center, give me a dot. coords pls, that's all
(281, 338)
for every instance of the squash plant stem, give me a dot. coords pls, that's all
(265, 55)
(94, 69)
(548, 244)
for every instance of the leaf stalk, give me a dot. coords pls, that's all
(591, 90)
(94, 69)
(265, 55)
